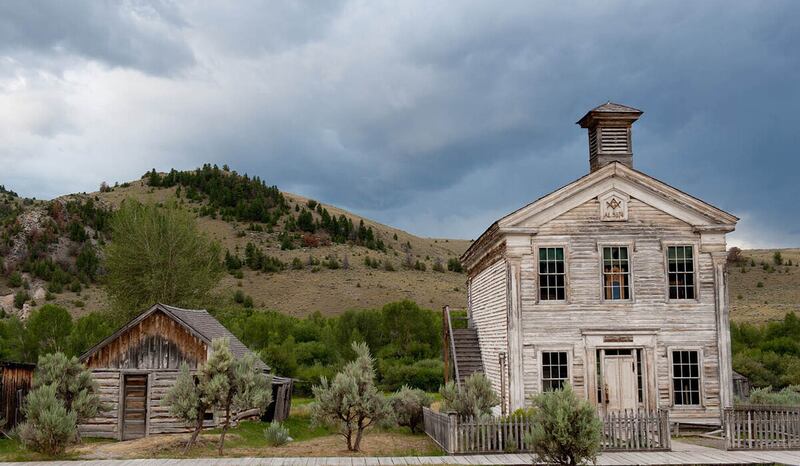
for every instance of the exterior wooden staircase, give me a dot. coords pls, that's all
(462, 351)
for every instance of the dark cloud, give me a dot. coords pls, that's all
(437, 117)
(139, 35)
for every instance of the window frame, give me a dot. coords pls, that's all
(700, 378)
(536, 250)
(601, 265)
(540, 363)
(665, 256)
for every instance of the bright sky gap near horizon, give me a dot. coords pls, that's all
(437, 118)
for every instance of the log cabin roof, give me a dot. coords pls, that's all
(197, 321)
(24, 365)
(525, 219)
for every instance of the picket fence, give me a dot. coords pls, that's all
(624, 431)
(762, 427)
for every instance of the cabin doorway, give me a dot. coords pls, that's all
(620, 373)
(134, 404)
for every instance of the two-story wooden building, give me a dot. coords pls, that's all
(615, 283)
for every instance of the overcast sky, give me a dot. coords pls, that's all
(435, 117)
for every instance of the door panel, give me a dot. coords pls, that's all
(134, 412)
(619, 374)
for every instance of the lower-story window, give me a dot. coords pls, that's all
(686, 378)
(555, 370)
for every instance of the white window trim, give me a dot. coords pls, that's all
(665, 245)
(565, 247)
(701, 378)
(553, 349)
(631, 249)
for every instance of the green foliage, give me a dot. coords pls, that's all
(438, 266)
(88, 330)
(407, 406)
(769, 355)
(187, 402)
(73, 382)
(47, 330)
(15, 280)
(20, 297)
(255, 258)
(475, 398)
(788, 396)
(351, 402)
(49, 427)
(777, 259)
(87, 262)
(566, 429)
(425, 374)
(276, 434)
(158, 255)
(454, 265)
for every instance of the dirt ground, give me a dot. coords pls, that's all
(373, 444)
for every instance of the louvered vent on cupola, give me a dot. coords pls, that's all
(609, 128)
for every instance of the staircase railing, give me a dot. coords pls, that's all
(449, 343)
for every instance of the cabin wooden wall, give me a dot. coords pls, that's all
(12, 379)
(157, 342)
(685, 324)
(488, 309)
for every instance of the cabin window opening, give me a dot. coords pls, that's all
(680, 272)
(552, 274)
(686, 378)
(555, 370)
(639, 376)
(616, 273)
(208, 416)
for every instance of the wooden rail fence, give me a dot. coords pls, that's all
(632, 431)
(762, 427)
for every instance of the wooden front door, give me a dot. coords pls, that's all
(619, 373)
(134, 406)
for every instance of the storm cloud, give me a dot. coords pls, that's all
(437, 117)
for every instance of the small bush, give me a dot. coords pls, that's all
(475, 399)
(297, 264)
(387, 266)
(15, 280)
(760, 285)
(49, 427)
(438, 266)
(407, 405)
(19, 299)
(789, 396)
(238, 296)
(276, 434)
(566, 429)
(454, 265)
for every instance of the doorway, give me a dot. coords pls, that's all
(134, 406)
(620, 375)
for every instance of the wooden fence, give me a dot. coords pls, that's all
(762, 427)
(635, 430)
(632, 430)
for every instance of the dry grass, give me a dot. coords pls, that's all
(780, 292)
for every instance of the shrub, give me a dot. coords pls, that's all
(20, 297)
(351, 402)
(789, 396)
(276, 434)
(407, 405)
(297, 264)
(238, 296)
(49, 427)
(777, 258)
(15, 280)
(760, 285)
(454, 265)
(476, 398)
(387, 266)
(438, 266)
(566, 429)
(425, 374)
(73, 384)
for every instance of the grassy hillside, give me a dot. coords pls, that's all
(317, 273)
(779, 289)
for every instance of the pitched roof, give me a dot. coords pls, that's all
(615, 108)
(197, 321)
(612, 111)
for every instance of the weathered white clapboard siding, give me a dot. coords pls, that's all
(488, 312)
(684, 324)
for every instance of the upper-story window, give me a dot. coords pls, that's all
(552, 274)
(680, 272)
(616, 273)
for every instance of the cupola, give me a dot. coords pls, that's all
(609, 128)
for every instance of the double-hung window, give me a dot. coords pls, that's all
(555, 370)
(616, 273)
(552, 274)
(680, 272)
(686, 377)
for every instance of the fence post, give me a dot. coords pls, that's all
(665, 430)
(452, 432)
(727, 426)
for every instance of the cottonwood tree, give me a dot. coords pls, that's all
(156, 255)
(351, 402)
(224, 383)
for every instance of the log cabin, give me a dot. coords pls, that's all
(16, 379)
(614, 283)
(139, 363)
